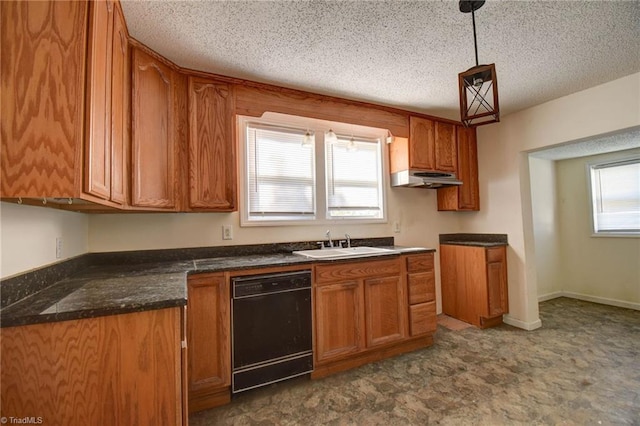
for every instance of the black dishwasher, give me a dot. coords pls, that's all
(271, 328)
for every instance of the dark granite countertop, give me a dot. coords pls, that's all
(476, 240)
(109, 289)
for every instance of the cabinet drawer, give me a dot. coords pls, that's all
(495, 254)
(420, 263)
(327, 274)
(422, 318)
(422, 287)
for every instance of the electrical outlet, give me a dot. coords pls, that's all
(227, 232)
(59, 248)
(396, 227)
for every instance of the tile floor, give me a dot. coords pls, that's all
(582, 367)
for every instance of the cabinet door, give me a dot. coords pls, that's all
(153, 137)
(208, 334)
(339, 320)
(446, 158)
(212, 164)
(385, 310)
(422, 318)
(422, 153)
(119, 108)
(465, 196)
(498, 300)
(97, 161)
(111, 370)
(42, 75)
(468, 198)
(449, 279)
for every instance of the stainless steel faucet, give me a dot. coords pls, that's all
(328, 234)
(348, 237)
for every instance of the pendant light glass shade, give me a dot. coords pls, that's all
(330, 136)
(308, 139)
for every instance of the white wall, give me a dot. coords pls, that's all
(505, 191)
(606, 268)
(28, 236)
(546, 227)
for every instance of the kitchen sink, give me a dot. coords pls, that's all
(340, 253)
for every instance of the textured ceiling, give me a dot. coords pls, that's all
(602, 144)
(400, 53)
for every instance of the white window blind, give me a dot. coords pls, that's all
(616, 197)
(354, 178)
(280, 173)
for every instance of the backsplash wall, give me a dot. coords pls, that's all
(28, 236)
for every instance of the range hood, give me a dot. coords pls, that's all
(422, 179)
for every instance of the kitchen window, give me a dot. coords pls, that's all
(615, 197)
(294, 174)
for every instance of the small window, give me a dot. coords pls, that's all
(615, 197)
(354, 187)
(280, 174)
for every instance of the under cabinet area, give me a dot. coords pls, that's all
(112, 370)
(474, 283)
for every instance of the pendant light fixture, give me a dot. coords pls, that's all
(330, 136)
(478, 85)
(308, 139)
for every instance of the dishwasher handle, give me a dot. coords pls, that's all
(256, 285)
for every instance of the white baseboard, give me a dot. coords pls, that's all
(549, 296)
(588, 298)
(529, 326)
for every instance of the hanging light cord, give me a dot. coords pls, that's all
(475, 41)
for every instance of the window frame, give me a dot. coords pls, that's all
(590, 168)
(318, 128)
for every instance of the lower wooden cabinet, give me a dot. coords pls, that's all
(474, 283)
(208, 341)
(339, 320)
(385, 310)
(111, 370)
(370, 310)
(421, 282)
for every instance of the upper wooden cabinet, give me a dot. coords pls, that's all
(97, 177)
(212, 153)
(57, 101)
(120, 97)
(107, 101)
(154, 142)
(466, 196)
(432, 145)
(42, 99)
